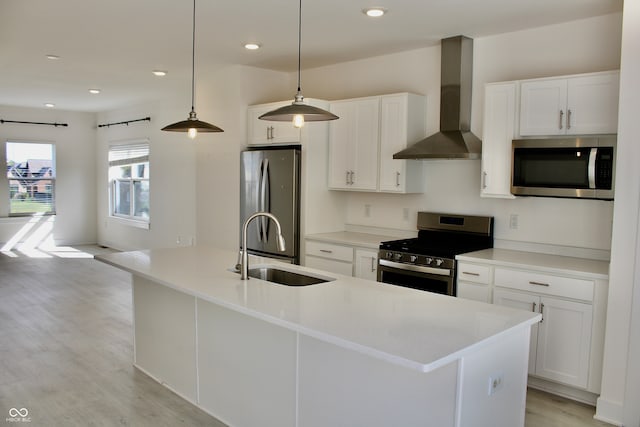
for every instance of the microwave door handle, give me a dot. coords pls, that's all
(592, 167)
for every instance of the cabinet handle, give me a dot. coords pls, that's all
(373, 267)
(470, 274)
(561, 117)
(533, 307)
(346, 180)
(538, 283)
(484, 180)
(353, 174)
(568, 119)
(326, 251)
(542, 312)
(397, 179)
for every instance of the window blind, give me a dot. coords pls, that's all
(126, 154)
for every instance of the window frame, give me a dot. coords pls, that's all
(123, 146)
(33, 181)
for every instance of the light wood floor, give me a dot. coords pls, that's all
(66, 353)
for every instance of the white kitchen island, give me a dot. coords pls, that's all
(349, 352)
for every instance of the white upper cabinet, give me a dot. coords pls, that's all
(362, 143)
(575, 105)
(402, 122)
(262, 132)
(498, 132)
(353, 144)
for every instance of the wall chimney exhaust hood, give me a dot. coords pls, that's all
(455, 140)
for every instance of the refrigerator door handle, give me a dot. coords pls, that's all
(259, 201)
(266, 199)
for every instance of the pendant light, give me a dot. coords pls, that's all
(298, 112)
(192, 125)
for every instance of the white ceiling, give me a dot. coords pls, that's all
(114, 45)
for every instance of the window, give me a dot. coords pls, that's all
(31, 174)
(129, 181)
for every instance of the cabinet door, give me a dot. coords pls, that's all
(261, 132)
(365, 154)
(526, 302)
(366, 264)
(543, 107)
(402, 123)
(353, 145)
(498, 132)
(473, 291)
(564, 341)
(341, 145)
(592, 104)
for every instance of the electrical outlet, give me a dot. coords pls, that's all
(495, 383)
(513, 221)
(367, 211)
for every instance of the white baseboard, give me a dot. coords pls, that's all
(609, 412)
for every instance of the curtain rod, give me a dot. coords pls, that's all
(147, 119)
(33, 123)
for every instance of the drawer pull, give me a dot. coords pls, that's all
(470, 274)
(326, 251)
(538, 283)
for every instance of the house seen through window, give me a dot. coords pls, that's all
(31, 174)
(129, 180)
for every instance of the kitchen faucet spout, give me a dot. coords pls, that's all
(244, 258)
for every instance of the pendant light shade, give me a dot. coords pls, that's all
(192, 125)
(298, 111)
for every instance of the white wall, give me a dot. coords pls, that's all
(622, 340)
(172, 177)
(581, 46)
(75, 222)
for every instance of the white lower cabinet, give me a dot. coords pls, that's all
(342, 259)
(473, 282)
(560, 343)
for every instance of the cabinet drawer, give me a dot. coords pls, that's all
(324, 264)
(545, 284)
(328, 250)
(473, 273)
(473, 291)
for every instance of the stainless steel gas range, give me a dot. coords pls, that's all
(427, 262)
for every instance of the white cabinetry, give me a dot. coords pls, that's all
(362, 143)
(498, 132)
(353, 144)
(473, 282)
(366, 263)
(566, 347)
(576, 105)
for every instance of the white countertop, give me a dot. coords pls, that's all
(352, 238)
(587, 268)
(416, 329)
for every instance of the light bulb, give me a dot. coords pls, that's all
(298, 120)
(193, 132)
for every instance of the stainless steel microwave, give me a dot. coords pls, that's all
(579, 167)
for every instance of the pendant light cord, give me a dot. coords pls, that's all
(299, 40)
(193, 56)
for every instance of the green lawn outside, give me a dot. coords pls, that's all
(30, 206)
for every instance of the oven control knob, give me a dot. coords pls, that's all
(428, 260)
(398, 257)
(389, 255)
(413, 258)
(439, 262)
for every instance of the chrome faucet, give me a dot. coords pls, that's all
(244, 258)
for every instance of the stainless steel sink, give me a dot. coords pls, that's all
(285, 277)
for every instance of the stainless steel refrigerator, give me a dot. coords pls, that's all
(270, 182)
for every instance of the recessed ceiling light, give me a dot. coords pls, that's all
(252, 46)
(49, 105)
(159, 73)
(52, 57)
(94, 91)
(374, 12)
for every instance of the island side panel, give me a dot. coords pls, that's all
(340, 387)
(246, 368)
(493, 382)
(165, 344)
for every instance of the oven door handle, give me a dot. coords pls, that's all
(417, 268)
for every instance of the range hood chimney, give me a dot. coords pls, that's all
(455, 140)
